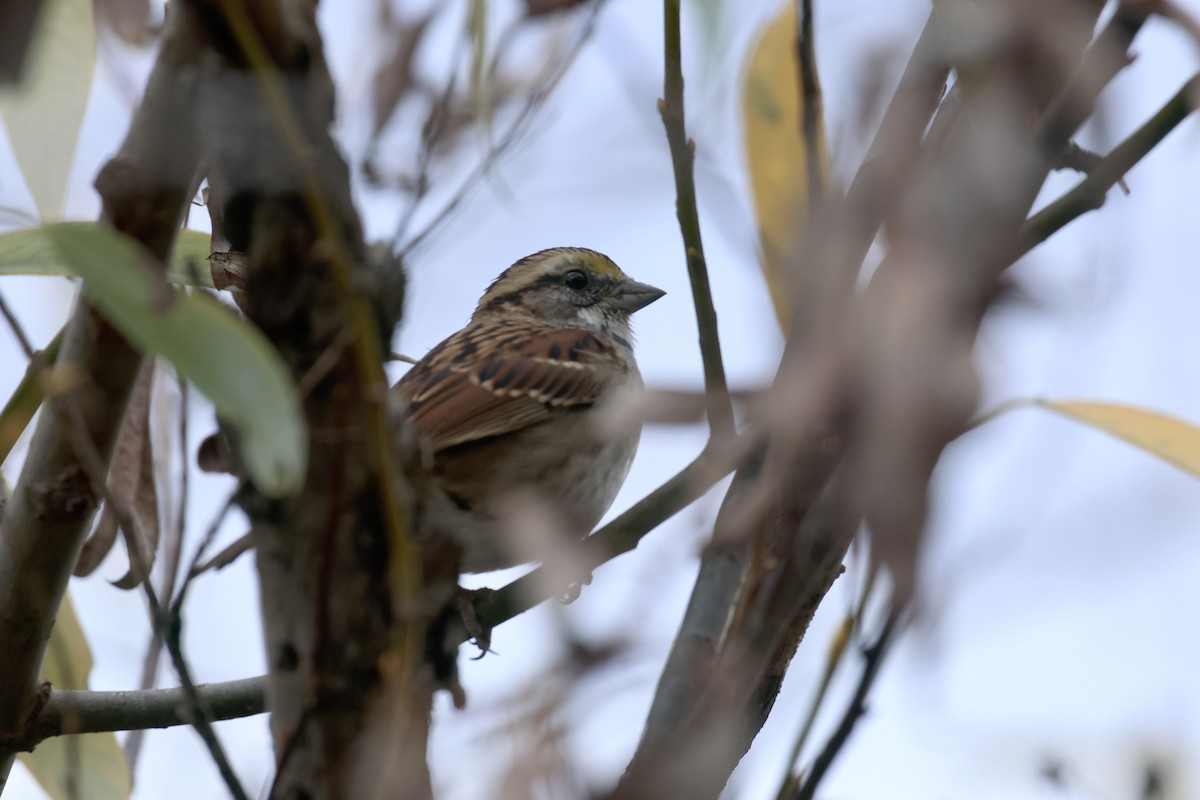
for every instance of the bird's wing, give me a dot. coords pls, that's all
(478, 384)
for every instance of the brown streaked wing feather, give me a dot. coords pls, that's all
(468, 388)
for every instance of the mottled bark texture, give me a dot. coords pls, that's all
(282, 196)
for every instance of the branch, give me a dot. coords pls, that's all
(145, 190)
(18, 331)
(520, 125)
(892, 152)
(811, 107)
(1090, 193)
(683, 156)
(872, 660)
(340, 575)
(166, 626)
(689, 664)
(70, 712)
(622, 534)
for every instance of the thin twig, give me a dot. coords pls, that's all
(872, 660)
(851, 627)
(621, 534)
(1089, 194)
(169, 627)
(70, 712)
(173, 550)
(533, 103)
(430, 138)
(811, 108)
(683, 156)
(209, 534)
(185, 470)
(17, 330)
(243, 544)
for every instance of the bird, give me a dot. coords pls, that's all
(509, 407)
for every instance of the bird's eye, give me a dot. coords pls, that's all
(576, 280)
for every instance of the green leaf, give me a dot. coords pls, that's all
(228, 359)
(44, 112)
(25, 400)
(32, 252)
(84, 767)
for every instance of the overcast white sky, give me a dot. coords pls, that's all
(1062, 568)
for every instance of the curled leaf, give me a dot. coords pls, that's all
(131, 482)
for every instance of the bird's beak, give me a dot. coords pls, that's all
(635, 296)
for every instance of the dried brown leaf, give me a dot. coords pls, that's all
(145, 511)
(130, 469)
(98, 544)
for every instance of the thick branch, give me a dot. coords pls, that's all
(339, 574)
(145, 190)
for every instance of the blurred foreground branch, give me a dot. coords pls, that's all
(145, 190)
(873, 384)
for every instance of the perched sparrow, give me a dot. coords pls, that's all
(508, 405)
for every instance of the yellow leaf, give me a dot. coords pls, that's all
(1169, 438)
(44, 112)
(776, 153)
(82, 767)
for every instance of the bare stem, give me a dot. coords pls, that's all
(17, 330)
(71, 712)
(167, 626)
(872, 660)
(1090, 193)
(811, 108)
(683, 155)
(145, 193)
